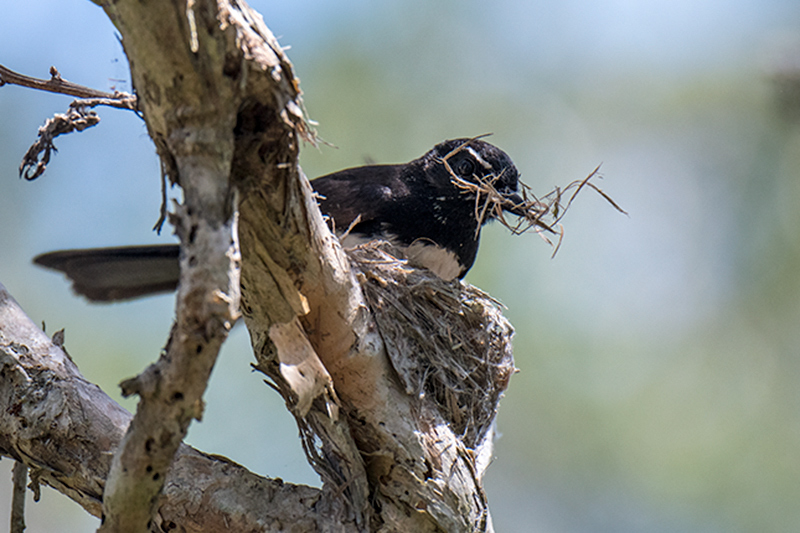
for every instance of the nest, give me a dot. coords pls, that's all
(448, 341)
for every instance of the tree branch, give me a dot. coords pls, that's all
(66, 429)
(20, 481)
(57, 84)
(190, 111)
(78, 118)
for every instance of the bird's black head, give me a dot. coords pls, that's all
(470, 163)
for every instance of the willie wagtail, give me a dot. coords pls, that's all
(430, 208)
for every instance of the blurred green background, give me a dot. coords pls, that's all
(659, 353)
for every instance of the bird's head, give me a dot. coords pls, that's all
(479, 171)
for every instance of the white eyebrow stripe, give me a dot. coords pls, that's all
(483, 163)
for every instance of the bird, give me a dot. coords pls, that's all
(429, 208)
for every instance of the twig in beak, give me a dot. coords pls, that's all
(542, 215)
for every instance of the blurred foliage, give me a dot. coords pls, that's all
(658, 353)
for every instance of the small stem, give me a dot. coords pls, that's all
(20, 480)
(56, 84)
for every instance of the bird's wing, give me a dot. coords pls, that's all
(354, 192)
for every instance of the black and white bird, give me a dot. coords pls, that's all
(425, 207)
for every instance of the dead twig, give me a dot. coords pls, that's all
(77, 118)
(20, 480)
(57, 84)
(38, 155)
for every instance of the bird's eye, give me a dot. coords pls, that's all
(465, 168)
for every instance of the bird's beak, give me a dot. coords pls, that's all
(515, 204)
(531, 211)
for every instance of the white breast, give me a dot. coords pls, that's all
(443, 263)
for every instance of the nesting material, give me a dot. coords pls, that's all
(542, 215)
(447, 340)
